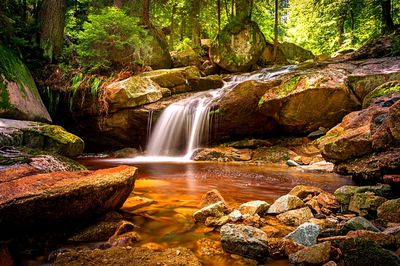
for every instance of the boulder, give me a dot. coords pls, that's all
(365, 203)
(377, 47)
(274, 154)
(296, 217)
(360, 252)
(358, 223)
(159, 58)
(238, 46)
(306, 234)
(224, 154)
(381, 239)
(61, 198)
(389, 212)
(187, 57)
(235, 216)
(254, 207)
(382, 90)
(285, 203)
(40, 136)
(246, 241)
(206, 83)
(211, 197)
(314, 255)
(344, 194)
(282, 247)
(132, 92)
(294, 52)
(214, 210)
(266, 57)
(303, 192)
(20, 98)
(127, 256)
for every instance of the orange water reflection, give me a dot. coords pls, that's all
(177, 189)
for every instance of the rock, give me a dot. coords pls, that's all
(176, 79)
(235, 216)
(294, 52)
(159, 58)
(213, 210)
(325, 223)
(306, 234)
(282, 247)
(377, 47)
(132, 92)
(20, 98)
(330, 263)
(98, 232)
(187, 57)
(389, 212)
(41, 136)
(207, 247)
(266, 58)
(209, 68)
(125, 239)
(254, 207)
(6, 259)
(344, 194)
(327, 200)
(359, 252)
(274, 154)
(382, 90)
(381, 239)
(216, 221)
(393, 120)
(365, 203)
(238, 47)
(296, 217)
(303, 192)
(125, 153)
(314, 255)
(206, 83)
(125, 256)
(285, 203)
(224, 154)
(40, 199)
(246, 241)
(358, 223)
(211, 197)
(292, 163)
(135, 203)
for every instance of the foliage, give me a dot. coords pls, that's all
(111, 40)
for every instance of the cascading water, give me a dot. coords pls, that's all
(183, 126)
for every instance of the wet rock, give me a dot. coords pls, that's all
(360, 252)
(187, 57)
(294, 52)
(365, 203)
(327, 200)
(223, 154)
(211, 197)
(330, 222)
(246, 241)
(313, 255)
(100, 231)
(306, 234)
(213, 210)
(253, 220)
(285, 203)
(274, 154)
(216, 221)
(292, 163)
(344, 194)
(208, 247)
(206, 83)
(128, 256)
(20, 98)
(136, 202)
(125, 239)
(235, 216)
(39, 200)
(358, 223)
(238, 47)
(384, 89)
(303, 191)
(296, 217)
(125, 153)
(381, 239)
(282, 247)
(389, 212)
(6, 259)
(42, 136)
(254, 207)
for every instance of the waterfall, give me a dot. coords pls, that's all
(185, 125)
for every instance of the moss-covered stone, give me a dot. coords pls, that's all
(20, 98)
(384, 89)
(390, 211)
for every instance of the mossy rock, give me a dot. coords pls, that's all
(390, 211)
(20, 98)
(169, 78)
(238, 46)
(382, 90)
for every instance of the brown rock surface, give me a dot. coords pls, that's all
(59, 198)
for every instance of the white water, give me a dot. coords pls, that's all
(184, 126)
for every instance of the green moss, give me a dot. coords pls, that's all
(288, 87)
(261, 101)
(14, 70)
(384, 89)
(391, 205)
(57, 133)
(215, 112)
(5, 98)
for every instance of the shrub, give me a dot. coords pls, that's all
(111, 40)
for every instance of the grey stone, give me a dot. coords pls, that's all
(306, 234)
(285, 203)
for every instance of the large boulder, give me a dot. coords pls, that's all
(238, 46)
(61, 198)
(40, 136)
(159, 58)
(20, 98)
(294, 52)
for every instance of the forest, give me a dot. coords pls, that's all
(200, 132)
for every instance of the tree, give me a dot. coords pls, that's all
(387, 20)
(146, 12)
(196, 23)
(275, 52)
(52, 20)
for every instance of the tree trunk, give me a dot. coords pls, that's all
(387, 21)
(146, 12)
(219, 15)
(233, 13)
(243, 9)
(226, 9)
(195, 23)
(340, 29)
(275, 52)
(118, 3)
(52, 19)
(172, 27)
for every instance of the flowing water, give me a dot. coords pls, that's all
(185, 125)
